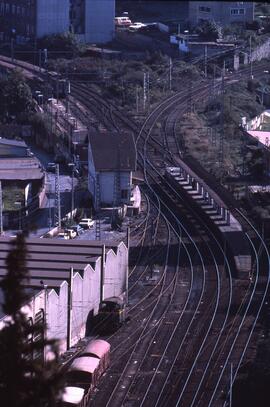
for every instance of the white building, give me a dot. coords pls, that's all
(52, 17)
(111, 160)
(68, 280)
(93, 20)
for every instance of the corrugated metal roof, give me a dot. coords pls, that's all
(50, 260)
(8, 142)
(20, 168)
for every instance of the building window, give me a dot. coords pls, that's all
(124, 194)
(204, 9)
(237, 11)
(7, 8)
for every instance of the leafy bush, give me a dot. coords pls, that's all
(209, 30)
(15, 96)
(65, 43)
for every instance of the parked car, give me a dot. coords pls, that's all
(123, 21)
(62, 235)
(77, 229)
(86, 223)
(50, 167)
(71, 233)
(136, 26)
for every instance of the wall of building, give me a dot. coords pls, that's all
(56, 315)
(52, 17)
(86, 298)
(222, 12)
(116, 269)
(99, 20)
(107, 182)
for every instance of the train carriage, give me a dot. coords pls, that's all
(99, 349)
(73, 397)
(84, 371)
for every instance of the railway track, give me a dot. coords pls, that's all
(201, 320)
(130, 397)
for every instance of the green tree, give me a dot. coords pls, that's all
(209, 30)
(15, 95)
(65, 43)
(25, 380)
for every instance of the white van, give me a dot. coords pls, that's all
(122, 21)
(86, 223)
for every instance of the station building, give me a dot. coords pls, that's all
(111, 161)
(68, 280)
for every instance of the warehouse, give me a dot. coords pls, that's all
(68, 280)
(22, 181)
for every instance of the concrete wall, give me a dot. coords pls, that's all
(52, 17)
(99, 20)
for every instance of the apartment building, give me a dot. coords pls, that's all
(223, 12)
(26, 20)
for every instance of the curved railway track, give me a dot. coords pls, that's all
(197, 320)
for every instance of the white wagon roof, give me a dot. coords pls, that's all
(73, 395)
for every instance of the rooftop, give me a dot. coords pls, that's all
(113, 151)
(50, 260)
(20, 168)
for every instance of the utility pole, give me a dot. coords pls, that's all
(170, 74)
(57, 86)
(250, 58)
(57, 202)
(178, 31)
(39, 59)
(214, 80)
(189, 98)
(72, 165)
(12, 49)
(144, 91)
(45, 318)
(231, 384)
(67, 97)
(205, 61)
(148, 88)
(137, 99)
(69, 310)
(221, 145)
(128, 243)
(1, 209)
